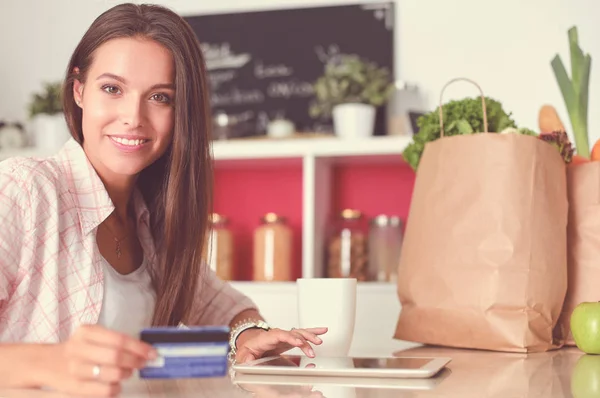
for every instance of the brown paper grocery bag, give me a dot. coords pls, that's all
(583, 237)
(483, 262)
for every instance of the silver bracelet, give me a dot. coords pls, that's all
(243, 326)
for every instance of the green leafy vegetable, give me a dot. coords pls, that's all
(526, 131)
(460, 117)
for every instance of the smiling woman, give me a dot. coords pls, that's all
(135, 99)
(105, 238)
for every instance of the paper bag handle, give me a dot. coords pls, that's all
(485, 124)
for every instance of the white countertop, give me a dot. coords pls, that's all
(470, 374)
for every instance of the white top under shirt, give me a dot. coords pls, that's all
(129, 300)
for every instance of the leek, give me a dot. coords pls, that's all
(575, 90)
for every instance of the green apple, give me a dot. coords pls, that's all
(585, 326)
(585, 379)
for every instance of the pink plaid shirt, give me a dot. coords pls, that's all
(51, 278)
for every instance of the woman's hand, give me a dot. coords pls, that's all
(256, 343)
(94, 361)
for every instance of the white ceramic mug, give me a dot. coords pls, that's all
(331, 303)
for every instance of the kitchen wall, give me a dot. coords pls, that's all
(505, 46)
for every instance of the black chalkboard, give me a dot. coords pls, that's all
(262, 64)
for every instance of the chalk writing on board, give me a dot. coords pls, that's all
(236, 96)
(220, 56)
(219, 77)
(252, 68)
(262, 71)
(289, 89)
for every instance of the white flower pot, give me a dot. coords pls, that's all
(353, 120)
(50, 132)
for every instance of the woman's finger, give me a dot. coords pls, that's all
(107, 373)
(101, 355)
(106, 337)
(316, 331)
(313, 338)
(305, 347)
(273, 339)
(293, 340)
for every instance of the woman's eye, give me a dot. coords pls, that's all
(161, 98)
(111, 89)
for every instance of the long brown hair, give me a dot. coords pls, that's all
(177, 187)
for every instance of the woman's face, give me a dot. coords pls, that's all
(127, 104)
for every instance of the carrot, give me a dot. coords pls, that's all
(549, 120)
(595, 155)
(578, 159)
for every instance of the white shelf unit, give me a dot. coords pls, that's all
(318, 156)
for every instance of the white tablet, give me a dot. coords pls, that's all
(297, 383)
(394, 367)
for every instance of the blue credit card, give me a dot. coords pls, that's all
(186, 352)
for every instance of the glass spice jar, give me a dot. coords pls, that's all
(347, 248)
(385, 243)
(272, 249)
(220, 247)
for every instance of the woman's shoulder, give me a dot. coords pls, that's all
(28, 174)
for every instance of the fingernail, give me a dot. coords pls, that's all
(152, 354)
(311, 352)
(319, 340)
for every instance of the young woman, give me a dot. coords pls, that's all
(106, 237)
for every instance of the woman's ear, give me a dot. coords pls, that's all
(77, 89)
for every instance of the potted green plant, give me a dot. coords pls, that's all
(350, 90)
(49, 127)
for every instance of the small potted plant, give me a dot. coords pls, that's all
(350, 90)
(48, 121)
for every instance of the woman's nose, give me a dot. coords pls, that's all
(132, 112)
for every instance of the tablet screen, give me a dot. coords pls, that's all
(391, 363)
(348, 363)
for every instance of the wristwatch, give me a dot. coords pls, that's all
(245, 325)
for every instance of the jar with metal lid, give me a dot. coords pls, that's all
(273, 249)
(347, 248)
(385, 244)
(219, 253)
